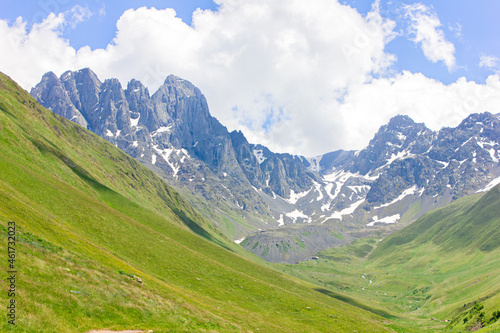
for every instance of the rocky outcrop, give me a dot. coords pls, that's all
(295, 243)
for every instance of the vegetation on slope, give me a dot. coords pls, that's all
(89, 218)
(440, 273)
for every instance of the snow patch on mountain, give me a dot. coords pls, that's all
(134, 122)
(294, 197)
(314, 163)
(296, 214)
(387, 219)
(259, 154)
(409, 191)
(161, 130)
(238, 241)
(359, 189)
(317, 187)
(339, 178)
(490, 185)
(346, 211)
(167, 152)
(281, 221)
(397, 156)
(492, 152)
(445, 164)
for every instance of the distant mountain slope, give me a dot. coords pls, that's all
(89, 220)
(466, 225)
(405, 171)
(442, 272)
(458, 246)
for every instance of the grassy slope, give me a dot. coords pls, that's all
(439, 267)
(88, 217)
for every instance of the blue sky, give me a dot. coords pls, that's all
(336, 70)
(472, 26)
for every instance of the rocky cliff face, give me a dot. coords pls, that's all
(173, 133)
(406, 165)
(405, 171)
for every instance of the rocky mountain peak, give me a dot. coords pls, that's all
(181, 87)
(484, 125)
(52, 92)
(85, 79)
(136, 88)
(401, 136)
(48, 79)
(485, 119)
(400, 123)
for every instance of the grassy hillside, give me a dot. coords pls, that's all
(440, 273)
(89, 219)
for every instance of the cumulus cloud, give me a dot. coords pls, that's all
(301, 77)
(425, 26)
(28, 55)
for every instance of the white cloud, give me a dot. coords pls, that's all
(102, 10)
(77, 14)
(490, 62)
(27, 55)
(456, 29)
(298, 77)
(425, 26)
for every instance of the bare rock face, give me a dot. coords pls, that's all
(173, 133)
(405, 170)
(57, 99)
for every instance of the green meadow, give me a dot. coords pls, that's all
(441, 273)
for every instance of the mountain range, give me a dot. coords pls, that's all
(282, 207)
(102, 242)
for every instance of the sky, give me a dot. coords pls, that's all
(299, 76)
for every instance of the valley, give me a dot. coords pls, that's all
(440, 273)
(250, 166)
(93, 222)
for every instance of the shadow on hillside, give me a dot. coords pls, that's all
(101, 188)
(197, 229)
(355, 303)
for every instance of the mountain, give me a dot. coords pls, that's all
(103, 242)
(404, 172)
(173, 133)
(279, 200)
(406, 158)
